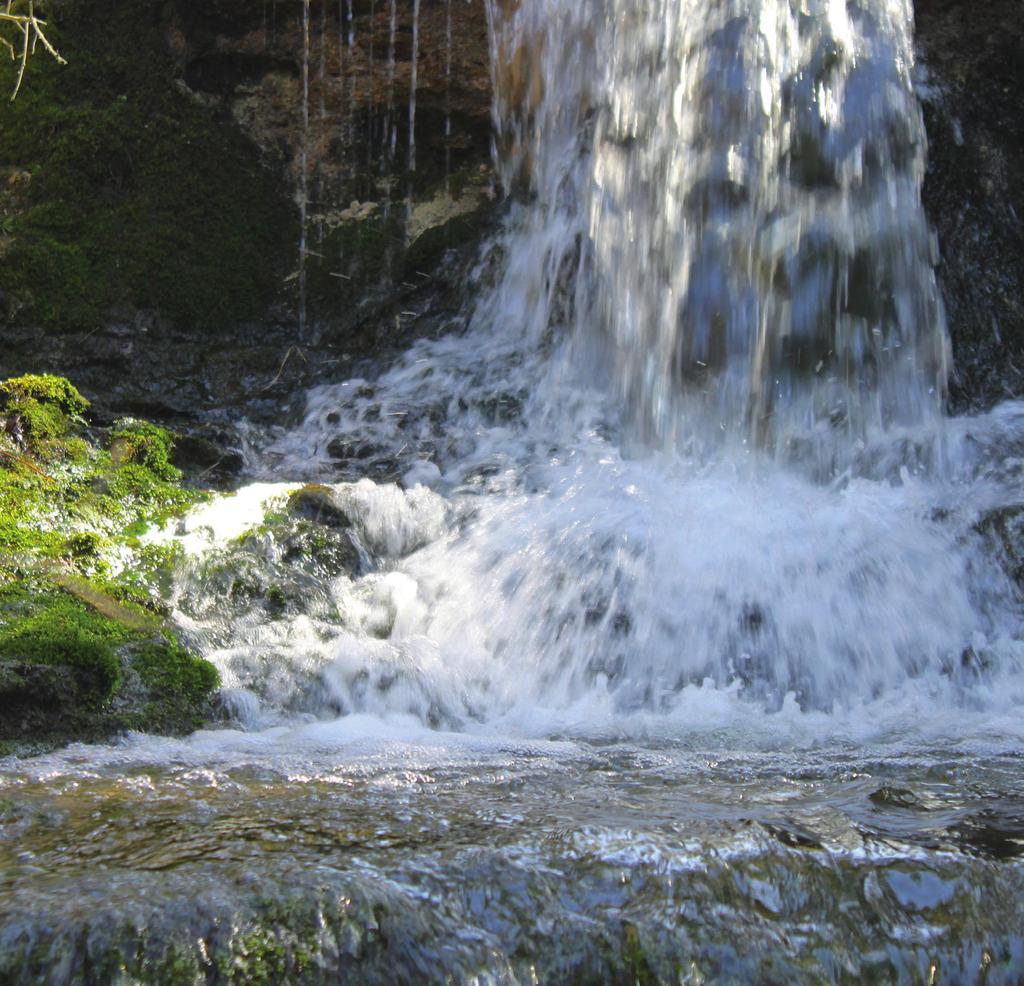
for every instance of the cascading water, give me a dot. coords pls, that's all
(691, 442)
(448, 95)
(726, 212)
(651, 625)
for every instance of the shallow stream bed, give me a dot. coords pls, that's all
(320, 855)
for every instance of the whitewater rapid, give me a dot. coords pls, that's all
(679, 467)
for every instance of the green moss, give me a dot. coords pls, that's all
(23, 499)
(146, 444)
(176, 685)
(59, 630)
(82, 654)
(150, 498)
(51, 391)
(76, 671)
(139, 194)
(83, 544)
(172, 671)
(50, 410)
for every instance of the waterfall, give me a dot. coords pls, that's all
(737, 189)
(685, 460)
(634, 617)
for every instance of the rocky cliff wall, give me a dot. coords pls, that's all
(972, 55)
(153, 193)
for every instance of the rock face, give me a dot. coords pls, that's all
(974, 191)
(318, 150)
(377, 113)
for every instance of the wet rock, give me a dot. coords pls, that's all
(344, 449)
(384, 203)
(318, 504)
(1003, 530)
(974, 187)
(84, 652)
(148, 684)
(326, 551)
(203, 459)
(388, 246)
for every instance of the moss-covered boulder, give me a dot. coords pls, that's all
(317, 503)
(42, 412)
(144, 444)
(84, 652)
(68, 671)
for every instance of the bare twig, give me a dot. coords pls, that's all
(24, 461)
(30, 29)
(284, 363)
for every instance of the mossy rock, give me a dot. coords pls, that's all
(138, 195)
(44, 388)
(317, 503)
(146, 444)
(70, 672)
(83, 653)
(284, 565)
(47, 410)
(58, 630)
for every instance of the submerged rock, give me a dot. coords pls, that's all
(1003, 529)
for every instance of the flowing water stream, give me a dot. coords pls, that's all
(655, 625)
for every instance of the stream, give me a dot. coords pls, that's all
(652, 624)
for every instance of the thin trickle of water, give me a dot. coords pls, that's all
(371, 83)
(413, 82)
(448, 41)
(390, 131)
(322, 90)
(350, 42)
(322, 67)
(304, 172)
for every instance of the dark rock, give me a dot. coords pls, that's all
(1003, 531)
(369, 263)
(14, 430)
(318, 504)
(343, 450)
(223, 72)
(974, 188)
(202, 459)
